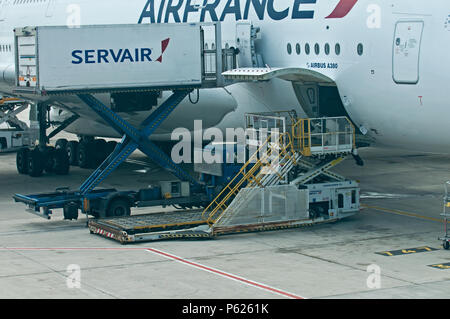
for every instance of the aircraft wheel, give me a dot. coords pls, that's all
(22, 161)
(36, 163)
(72, 150)
(49, 159)
(61, 162)
(61, 143)
(85, 155)
(446, 244)
(101, 153)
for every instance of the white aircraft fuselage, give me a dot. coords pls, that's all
(387, 59)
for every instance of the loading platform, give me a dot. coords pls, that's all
(157, 226)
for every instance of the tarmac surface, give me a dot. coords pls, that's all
(394, 235)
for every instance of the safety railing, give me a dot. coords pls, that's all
(209, 58)
(321, 136)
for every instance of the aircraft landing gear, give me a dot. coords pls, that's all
(42, 157)
(47, 159)
(72, 152)
(36, 162)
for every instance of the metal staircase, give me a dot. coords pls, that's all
(274, 167)
(252, 174)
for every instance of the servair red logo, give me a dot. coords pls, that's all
(342, 9)
(164, 45)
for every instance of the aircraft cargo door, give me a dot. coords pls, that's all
(406, 52)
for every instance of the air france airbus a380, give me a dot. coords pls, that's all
(384, 63)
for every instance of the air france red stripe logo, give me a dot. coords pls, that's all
(342, 9)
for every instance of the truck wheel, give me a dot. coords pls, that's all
(61, 162)
(22, 161)
(61, 143)
(85, 158)
(72, 150)
(118, 207)
(36, 163)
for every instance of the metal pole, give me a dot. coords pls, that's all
(42, 119)
(219, 66)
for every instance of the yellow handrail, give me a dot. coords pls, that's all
(248, 176)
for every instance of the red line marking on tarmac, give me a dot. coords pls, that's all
(226, 275)
(68, 248)
(169, 256)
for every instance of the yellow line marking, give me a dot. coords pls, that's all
(441, 266)
(387, 253)
(403, 213)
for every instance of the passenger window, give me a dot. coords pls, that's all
(360, 49)
(327, 48)
(289, 49)
(317, 48)
(297, 48)
(337, 49)
(307, 48)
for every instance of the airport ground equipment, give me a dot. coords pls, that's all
(284, 181)
(446, 215)
(18, 134)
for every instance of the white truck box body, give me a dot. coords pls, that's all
(109, 56)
